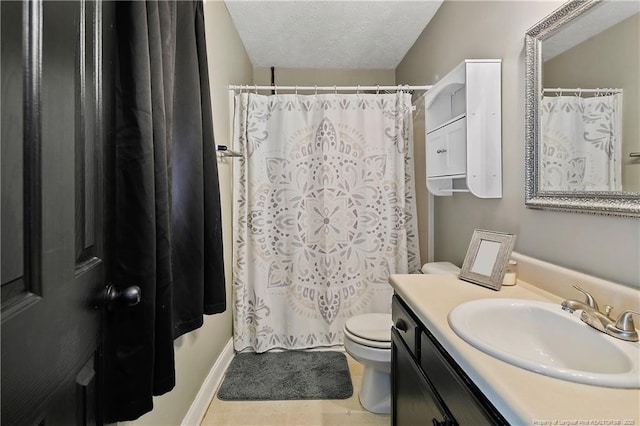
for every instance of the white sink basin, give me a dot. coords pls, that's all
(541, 337)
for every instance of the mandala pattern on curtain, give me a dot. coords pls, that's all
(324, 211)
(581, 143)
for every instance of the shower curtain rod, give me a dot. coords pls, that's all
(328, 88)
(579, 90)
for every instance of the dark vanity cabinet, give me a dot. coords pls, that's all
(428, 387)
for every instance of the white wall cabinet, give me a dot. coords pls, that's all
(463, 131)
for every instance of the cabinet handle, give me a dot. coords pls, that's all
(441, 151)
(401, 325)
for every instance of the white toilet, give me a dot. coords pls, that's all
(367, 338)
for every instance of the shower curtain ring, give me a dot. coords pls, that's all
(255, 87)
(335, 90)
(377, 89)
(358, 90)
(296, 89)
(316, 88)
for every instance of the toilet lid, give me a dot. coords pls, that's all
(374, 327)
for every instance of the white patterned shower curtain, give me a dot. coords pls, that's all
(581, 143)
(324, 211)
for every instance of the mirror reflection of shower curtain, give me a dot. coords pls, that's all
(324, 211)
(581, 143)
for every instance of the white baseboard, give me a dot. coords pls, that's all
(207, 391)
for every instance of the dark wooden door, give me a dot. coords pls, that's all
(56, 131)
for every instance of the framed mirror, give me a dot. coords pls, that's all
(582, 108)
(487, 257)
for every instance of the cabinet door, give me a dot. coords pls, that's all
(413, 400)
(405, 326)
(447, 150)
(463, 400)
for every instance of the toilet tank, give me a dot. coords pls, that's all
(440, 268)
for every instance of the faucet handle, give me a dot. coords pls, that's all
(607, 310)
(625, 322)
(625, 328)
(590, 300)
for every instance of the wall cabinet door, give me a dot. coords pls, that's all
(447, 150)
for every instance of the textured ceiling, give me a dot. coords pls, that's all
(330, 34)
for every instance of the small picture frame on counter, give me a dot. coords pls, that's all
(487, 257)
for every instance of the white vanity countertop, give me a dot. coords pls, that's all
(523, 397)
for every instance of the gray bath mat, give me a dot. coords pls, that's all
(287, 375)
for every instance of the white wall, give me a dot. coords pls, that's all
(196, 352)
(607, 247)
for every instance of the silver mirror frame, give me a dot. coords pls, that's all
(612, 203)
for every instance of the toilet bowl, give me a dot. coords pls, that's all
(367, 338)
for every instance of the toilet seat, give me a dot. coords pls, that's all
(372, 330)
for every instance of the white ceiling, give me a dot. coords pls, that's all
(330, 34)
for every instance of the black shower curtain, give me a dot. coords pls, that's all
(167, 216)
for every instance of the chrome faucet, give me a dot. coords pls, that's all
(622, 328)
(574, 305)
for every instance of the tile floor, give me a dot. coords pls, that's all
(296, 413)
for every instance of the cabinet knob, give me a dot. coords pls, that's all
(401, 325)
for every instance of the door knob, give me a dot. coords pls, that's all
(129, 296)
